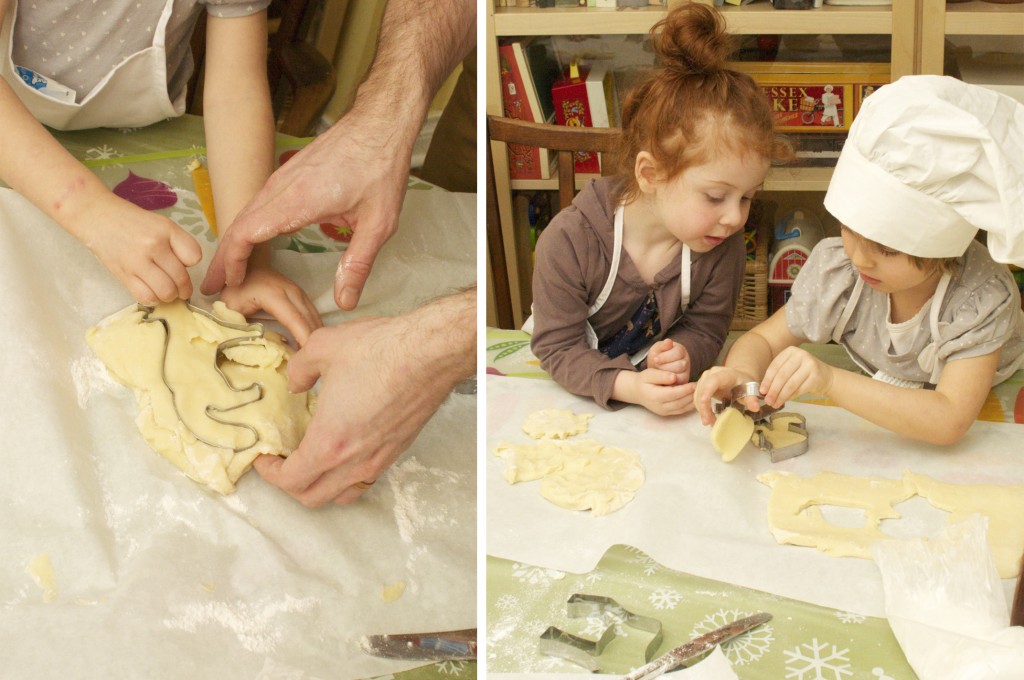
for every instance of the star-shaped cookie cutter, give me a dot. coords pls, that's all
(764, 421)
(211, 410)
(583, 652)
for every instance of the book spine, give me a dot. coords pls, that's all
(573, 109)
(524, 162)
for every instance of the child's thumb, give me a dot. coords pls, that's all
(186, 248)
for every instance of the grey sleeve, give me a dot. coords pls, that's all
(228, 9)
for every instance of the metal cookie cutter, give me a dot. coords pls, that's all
(583, 652)
(256, 333)
(764, 421)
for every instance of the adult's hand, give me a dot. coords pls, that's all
(349, 175)
(381, 381)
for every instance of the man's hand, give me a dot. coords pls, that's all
(381, 381)
(349, 175)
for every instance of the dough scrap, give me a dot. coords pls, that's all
(578, 475)
(133, 350)
(795, 519)
(731, 432)
(779, 435)
(555, 423)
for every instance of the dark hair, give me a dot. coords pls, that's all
(693, 105)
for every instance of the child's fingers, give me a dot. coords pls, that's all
(141, 291)
(657, 376)
(185, 248)
(163, 283)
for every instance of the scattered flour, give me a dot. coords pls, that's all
(415, 508)
(90, 375)
(255, 624)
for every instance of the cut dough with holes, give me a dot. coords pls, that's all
(555, 423)
(578, 475)
(795, 518)
(731, 433)
(173, 393)
(779, 435)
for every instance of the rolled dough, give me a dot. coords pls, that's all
(578, 475)
(731, 432)
(795, 519)
(555, 423)
(187, 411)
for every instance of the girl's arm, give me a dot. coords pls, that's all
(147, 252)
(239, 124)
(747, 360)
(939, 416)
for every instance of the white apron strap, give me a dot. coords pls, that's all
(928, 359)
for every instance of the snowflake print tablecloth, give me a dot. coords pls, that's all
(801, 642)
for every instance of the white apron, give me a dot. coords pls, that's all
(927, 359)
(613, 272)
(133, 94)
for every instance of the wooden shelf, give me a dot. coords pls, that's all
(984, 18)
(779, 179)
(751, 19)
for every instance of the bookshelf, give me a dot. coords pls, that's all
(918, 29)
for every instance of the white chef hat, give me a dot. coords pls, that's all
(930, 160)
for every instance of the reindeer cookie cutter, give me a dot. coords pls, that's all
(583, 652)
(255, 333)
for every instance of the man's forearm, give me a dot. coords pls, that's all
(419, 45)
(445, 329)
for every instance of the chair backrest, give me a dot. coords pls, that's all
(302, 81)
(560, 139)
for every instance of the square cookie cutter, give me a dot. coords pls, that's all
(764, 422)
(583, 652)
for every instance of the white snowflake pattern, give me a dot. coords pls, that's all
(817, 661)
(102, 153)
(592, 578)
(744, 649)
(450, 667)
(188, 214)
(533, 576)
(880, 674)
(645, 561)
(665, 598)
(850, 617)
(507, 601)
(610, 617)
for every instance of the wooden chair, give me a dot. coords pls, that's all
(302, 81)
(560, 139)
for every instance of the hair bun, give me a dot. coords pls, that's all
(692, 39)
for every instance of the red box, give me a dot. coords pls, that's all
(582, 102)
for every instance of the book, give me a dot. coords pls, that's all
(585, 100)
(521, 64)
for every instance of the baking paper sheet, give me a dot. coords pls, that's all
(699, 515)
(157, 577)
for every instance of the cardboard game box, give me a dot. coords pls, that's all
(815, 96)
(585, 99)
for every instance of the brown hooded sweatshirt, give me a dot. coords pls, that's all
(573, 260)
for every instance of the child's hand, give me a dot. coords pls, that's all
(793, 373)
(669, 355)
(654, 389)
(267, 289)
(718, 382)
(148, 253)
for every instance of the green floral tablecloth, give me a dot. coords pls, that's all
(801, 642)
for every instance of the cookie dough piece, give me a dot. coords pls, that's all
(555, 423)
(577, 475)
(794, 518)
(779, 435)
(731, 432)
(175, 384)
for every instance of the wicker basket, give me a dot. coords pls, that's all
(752, 305)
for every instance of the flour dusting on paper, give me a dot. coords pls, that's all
(415, 508)
(256, 626)
(90, 376)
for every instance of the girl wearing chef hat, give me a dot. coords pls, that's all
(927, 311)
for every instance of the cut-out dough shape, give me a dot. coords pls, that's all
(731, 432)
(577, 475)
(133, 350)
(555, 423)
(795, 518)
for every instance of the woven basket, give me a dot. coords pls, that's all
(752, 305)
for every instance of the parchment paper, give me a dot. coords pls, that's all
(699, 515)
(155, 576)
